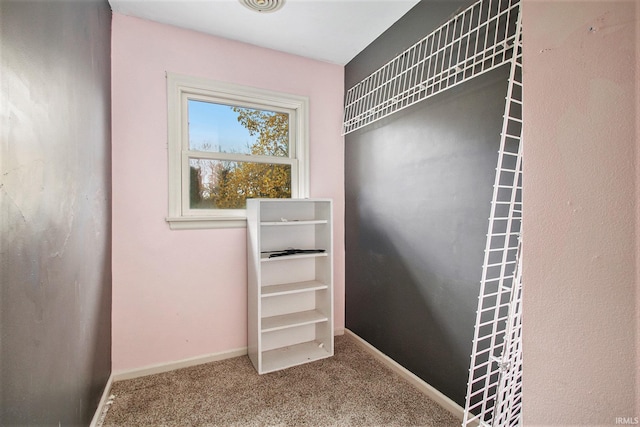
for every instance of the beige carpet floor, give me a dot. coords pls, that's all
(349, 389)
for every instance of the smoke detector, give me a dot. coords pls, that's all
(263, 6)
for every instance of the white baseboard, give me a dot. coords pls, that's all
(185, 363)
(430, 391)
(178, 364)
(156, 369)
(96, 421)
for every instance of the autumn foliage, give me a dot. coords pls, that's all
(236, 181)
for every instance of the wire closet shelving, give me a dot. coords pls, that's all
(474, 41)
(482, 37)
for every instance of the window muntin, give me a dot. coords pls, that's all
(228, 143)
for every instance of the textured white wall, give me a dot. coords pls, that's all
(580, 200)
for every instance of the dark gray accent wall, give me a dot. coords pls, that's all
(55, 210)
(418, 194)
(416, 24)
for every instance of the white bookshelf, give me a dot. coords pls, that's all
(290, 313)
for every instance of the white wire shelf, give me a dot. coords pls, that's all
(474, 41)
(480, 38)
(494, 390)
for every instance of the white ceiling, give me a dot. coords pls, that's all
(327, 30)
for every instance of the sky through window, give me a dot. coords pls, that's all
(215, 127)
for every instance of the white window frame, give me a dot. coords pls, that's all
(181, 88)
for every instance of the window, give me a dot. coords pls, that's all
(228, 143)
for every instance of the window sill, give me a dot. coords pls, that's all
(201, 222)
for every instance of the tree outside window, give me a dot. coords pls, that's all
(227, 184)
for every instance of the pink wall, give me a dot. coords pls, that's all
(182, 294)
(637, 158)
(580, 231)
(637, 135)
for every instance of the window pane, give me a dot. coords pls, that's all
(227, 129)
(219, 184)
